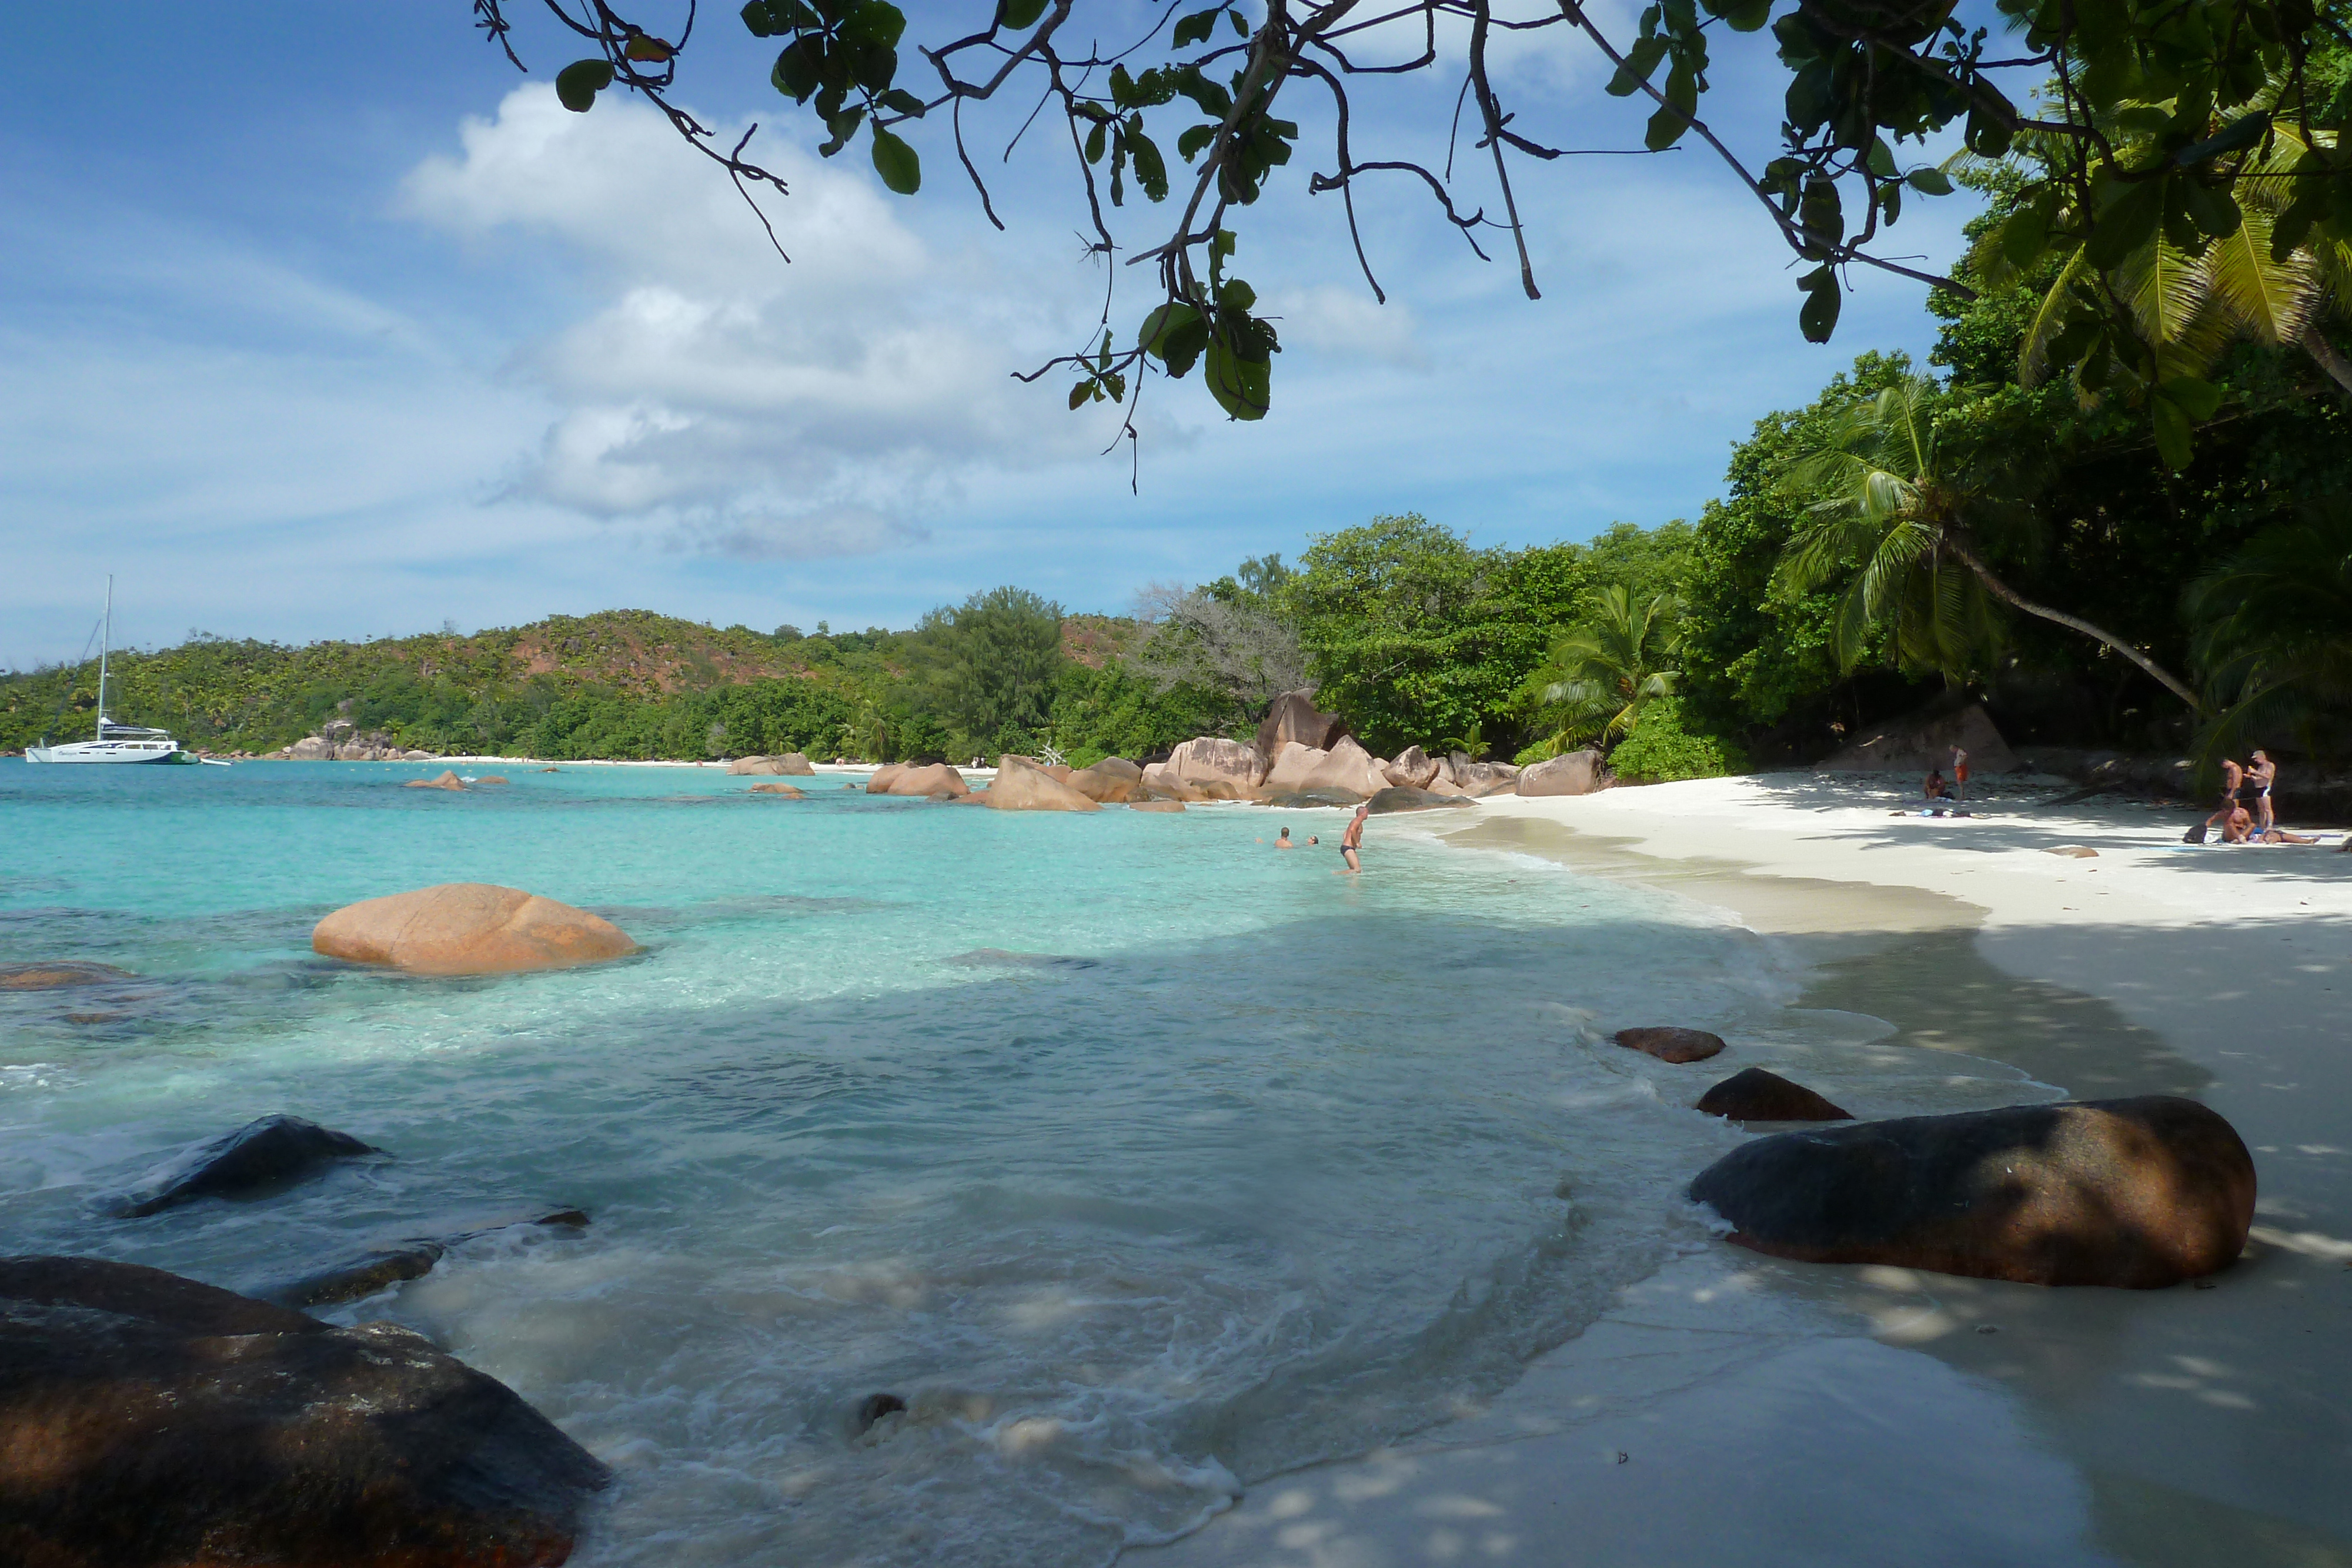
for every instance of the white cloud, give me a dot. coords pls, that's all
(740, 404)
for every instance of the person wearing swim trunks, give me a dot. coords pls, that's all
(1960, 772)
(2262, 773)
(2232, 775)
(1353, 839)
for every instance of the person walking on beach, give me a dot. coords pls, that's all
(1960, 772)
(2262, 773)
(1353, 839)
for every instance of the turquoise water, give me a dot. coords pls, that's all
(1142, 1160)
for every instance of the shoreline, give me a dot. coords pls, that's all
(1741, 1407)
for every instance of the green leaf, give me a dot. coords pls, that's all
(795, 74)
(577, 84)
(1080, 393)
(1929, 181)
(1817, 318)
(2199, 400)
(1240, 28)
(844, 126)
(1020, 15)
(1741, 15)
(896, 161)
(1641, 60)
(761, 18)
(2173, 428)
(875, 22)
(1189, 144)
(2127, 219)
(1151, 169)
(1194, 28)
(1097, 140)
(1241, 386)
(898, 100)
(1235, 294)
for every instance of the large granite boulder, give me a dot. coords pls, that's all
(1923, 740)
(469, 928)
(1110, 781)
(743, 766)
(935, 780)
(1570, 773)
(1346, 766)
(1022, 786)
(148, 1421)
(1671, 1044)
(1209, 759)
(448, 780)
(266, 1152)
(311, 748)
(1411, 768)
(1483, 777)
(1396, 798)
(59, 975)
(1293, 719)
(2142, 1193)
(1159, 781)
(381, 1268)
(1753, 1094)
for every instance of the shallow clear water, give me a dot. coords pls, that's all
(1142, 1159)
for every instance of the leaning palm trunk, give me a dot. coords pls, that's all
(2016, 600)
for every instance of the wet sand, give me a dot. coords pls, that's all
(1744, 1409)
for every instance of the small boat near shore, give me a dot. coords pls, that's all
(117, 743)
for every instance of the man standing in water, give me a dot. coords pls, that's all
(1353, 839)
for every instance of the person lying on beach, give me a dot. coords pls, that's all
(1284, 842)
(1935, 788)
(2280, 836)
(1353, 839)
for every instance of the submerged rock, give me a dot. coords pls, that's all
(469, 928)
(148, 1421)
(1672, 1044)
(448, 780)
(1753, 1094)
(1398, 799)
(788, 792)
(491, 779)
(2141, 1193)
(371, 1272)
(1302, 799)
(1155, 805)
(263, 1153)
(998, 959)
(59, 975)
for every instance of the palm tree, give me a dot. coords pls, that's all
(1599, 676)
(1884, 494)
(2274, 633)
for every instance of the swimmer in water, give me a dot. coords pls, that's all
(1284, 842)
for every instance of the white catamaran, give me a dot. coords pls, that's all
(114, 742)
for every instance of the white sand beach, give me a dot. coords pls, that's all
(1735, 1408)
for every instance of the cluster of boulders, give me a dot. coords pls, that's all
(2140, 1193)
(1303, 756)
(340, 740)
(791, 762)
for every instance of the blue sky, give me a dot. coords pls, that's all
(322, 321)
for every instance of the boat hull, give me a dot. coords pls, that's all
(114, 753)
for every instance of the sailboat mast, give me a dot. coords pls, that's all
(104, 643)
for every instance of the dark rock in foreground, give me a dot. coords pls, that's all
(59, 975)
(148, 1421)
(2141, 1193)
(259, 1153)
(1397, 798)
(1753, 1094)
(1672, 1044)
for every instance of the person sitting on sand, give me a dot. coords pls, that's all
(2238, 825)
(2232, 775)
(1282, 843)
(1353, 839)
(1936, 789)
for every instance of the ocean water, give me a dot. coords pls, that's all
(1140, 1160)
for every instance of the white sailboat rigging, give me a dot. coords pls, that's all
(117, 743)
